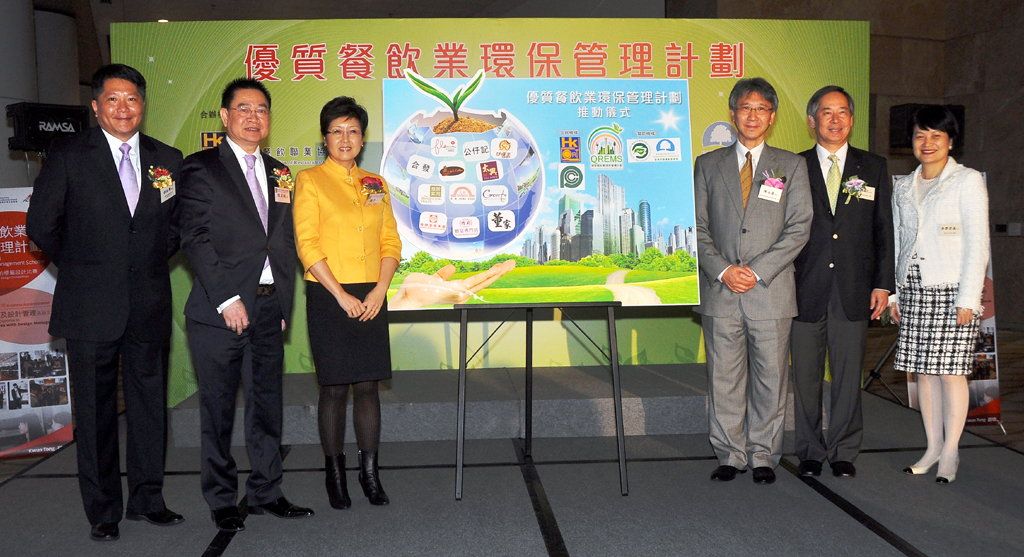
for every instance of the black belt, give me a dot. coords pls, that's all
(265, 290)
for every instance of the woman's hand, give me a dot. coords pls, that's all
(964, 316)
(350, 304)
(373, 302)
(894, 312)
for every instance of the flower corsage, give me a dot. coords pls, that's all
(773, 179)
(372, 185)
(161, 177)
(854, 187)
(284, 178)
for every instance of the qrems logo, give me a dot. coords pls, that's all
(605, 146)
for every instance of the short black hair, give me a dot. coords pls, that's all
(812, 105)
(757, 85)
(935, 117)
(117, 71)
(242, 83)
(342, 107)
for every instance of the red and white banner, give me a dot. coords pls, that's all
(35, 396)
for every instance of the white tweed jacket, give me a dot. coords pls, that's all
(948, 229)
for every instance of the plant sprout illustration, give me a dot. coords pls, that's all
(454, 101)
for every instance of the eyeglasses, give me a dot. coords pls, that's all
(247, 111)
(338, 132)
(758, 110)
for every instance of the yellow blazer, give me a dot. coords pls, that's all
(334, 222)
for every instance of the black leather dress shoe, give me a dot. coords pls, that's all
(229, 519)
(165, 517)
(105, 532)
(725, 473)
(809, 468)
(764, 475)
(843, 469)
(281, 508)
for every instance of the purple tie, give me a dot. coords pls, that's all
(254, 188)
(128, 180)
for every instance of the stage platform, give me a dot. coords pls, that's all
(568, 402)
(565, 501)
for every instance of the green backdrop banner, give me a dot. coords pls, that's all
(306, 63)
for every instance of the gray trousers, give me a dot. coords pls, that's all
(844, 342)
(747, 362)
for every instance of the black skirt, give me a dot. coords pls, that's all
(346, 350)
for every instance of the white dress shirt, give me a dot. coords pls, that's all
(826, 164)
(133, 155)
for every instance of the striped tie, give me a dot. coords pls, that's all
(746, 179)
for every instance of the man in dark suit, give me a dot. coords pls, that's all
(236, 230)
(753, 213)
(843, 278)
(102, 211)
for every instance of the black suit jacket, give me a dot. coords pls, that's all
(223, 239)
(858, 240)
(113, 271)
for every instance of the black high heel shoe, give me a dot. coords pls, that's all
(369, 479)
(337, 486)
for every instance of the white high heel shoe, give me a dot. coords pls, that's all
(920, 467)
(945, 475)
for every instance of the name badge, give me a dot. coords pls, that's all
(166, 193)
(374, 199)
(868, 194)
(769, 193)
(282, 195)
(949, 229)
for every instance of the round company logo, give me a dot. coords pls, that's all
(570, 177)
(640, 150)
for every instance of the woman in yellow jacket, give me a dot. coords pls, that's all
(349, 247)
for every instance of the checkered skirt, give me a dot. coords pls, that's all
(930, 341)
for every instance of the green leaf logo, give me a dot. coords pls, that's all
(462, 93)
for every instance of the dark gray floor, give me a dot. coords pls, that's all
(672, 508)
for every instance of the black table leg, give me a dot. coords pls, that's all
(617, 395)
(529, 382)
(460, 434)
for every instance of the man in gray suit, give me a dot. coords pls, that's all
(753, 217)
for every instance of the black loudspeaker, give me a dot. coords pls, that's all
(36, 125)
(901, 124)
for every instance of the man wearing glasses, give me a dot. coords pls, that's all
(236, 231)
(753, 209)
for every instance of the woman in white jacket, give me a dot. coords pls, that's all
(942, 250)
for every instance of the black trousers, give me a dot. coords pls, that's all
(254, 359)
(92, 368)
(844, 341)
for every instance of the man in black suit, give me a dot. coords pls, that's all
(843, 278)
(236, 230)
(102, 211)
